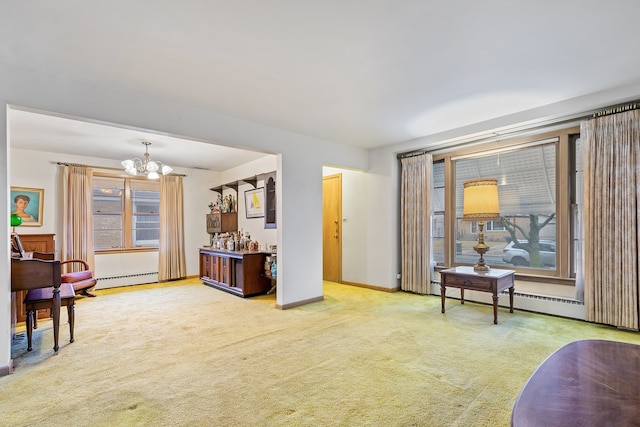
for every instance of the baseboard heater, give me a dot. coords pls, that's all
(126, 280)
(558, 306)
(546, 298)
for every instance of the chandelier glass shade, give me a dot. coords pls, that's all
(146, 166)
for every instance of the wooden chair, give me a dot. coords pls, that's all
(82, 280)
(42, 298)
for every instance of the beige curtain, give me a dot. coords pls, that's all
(172, 263)
(78, 215)
(415, 223)
(611, 211)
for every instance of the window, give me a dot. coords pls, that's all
(526, 190)
(536, 203)
(125, 213)
(494, 226)
(576, 194)
(145, 202)
(437, 220)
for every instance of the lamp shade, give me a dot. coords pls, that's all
(481, 199)
(15, 220)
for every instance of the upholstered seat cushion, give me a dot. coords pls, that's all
(81, 281)
(35, 296)
(76, 276)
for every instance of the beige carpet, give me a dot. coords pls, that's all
(187, 354)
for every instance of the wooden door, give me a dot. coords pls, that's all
(332, 228)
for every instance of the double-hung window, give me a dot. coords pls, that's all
(125, 213)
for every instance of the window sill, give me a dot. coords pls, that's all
(124, 250)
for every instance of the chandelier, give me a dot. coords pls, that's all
(145, 166)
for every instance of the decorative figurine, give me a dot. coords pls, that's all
(225, 205)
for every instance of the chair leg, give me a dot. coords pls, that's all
(29, 329)
(35, 319)
(71, 313)
(86, 292)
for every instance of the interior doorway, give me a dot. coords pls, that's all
(332, 228)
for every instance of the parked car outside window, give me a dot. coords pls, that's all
(520, 257)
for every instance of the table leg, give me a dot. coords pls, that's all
(442, 294)
(55, 315)
(495, 309)
(71, 313)
(511, 290)
(461, 295)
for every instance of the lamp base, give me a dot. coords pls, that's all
(481, 249)
(479, 267)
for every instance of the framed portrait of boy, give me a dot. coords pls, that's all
(28, 204)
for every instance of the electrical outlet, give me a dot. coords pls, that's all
(398, 276)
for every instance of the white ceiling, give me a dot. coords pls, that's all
(53, 133)
(361, 72)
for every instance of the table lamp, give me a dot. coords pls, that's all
(481, 203)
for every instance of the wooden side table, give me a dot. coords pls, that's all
(494, 281)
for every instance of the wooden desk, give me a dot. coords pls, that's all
(43, 243)
(29, 274)
(494, 281)
(584, 383)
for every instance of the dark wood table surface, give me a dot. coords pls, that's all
(585, 383)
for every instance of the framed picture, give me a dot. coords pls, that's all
(254, 203)
(28, 204)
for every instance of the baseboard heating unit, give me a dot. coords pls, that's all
(557, 306)
(126, 280)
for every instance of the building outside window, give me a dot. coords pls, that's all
(125, 213)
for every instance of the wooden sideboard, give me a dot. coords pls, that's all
(238, 272)
(32, 243)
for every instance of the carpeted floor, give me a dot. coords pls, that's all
(184, 354)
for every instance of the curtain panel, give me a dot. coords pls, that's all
(611, 155)
(171, 262)
(415, 223)
(78, 215)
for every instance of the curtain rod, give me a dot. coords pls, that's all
(617, 109)
(413, 153)
(518, 131)
(103, 167)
